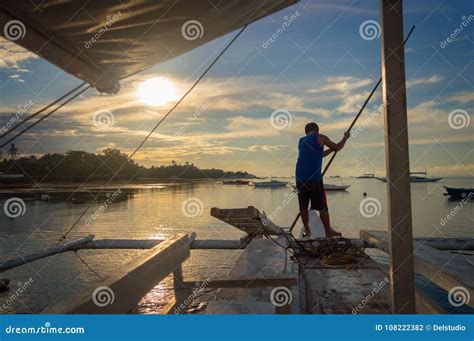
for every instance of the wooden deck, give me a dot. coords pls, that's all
(261, 259)
(321, 289)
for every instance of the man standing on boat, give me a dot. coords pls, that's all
(309, 179)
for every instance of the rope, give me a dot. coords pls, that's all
(41, 110)
(154, 129)
(45, 116)
(87, 265)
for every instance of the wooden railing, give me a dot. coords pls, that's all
(120, 292)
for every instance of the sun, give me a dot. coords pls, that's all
(156, 91)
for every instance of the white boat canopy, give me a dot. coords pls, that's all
(102, 42)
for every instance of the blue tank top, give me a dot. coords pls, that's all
(310, 159)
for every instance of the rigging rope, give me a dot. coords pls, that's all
(154, 129)
(41, 110)
(45, 116)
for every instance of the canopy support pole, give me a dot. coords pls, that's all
(397, 159)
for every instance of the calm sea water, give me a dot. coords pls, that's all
(156, 211)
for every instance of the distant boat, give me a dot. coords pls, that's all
(330, 187)
(366, 176)
(14, 180)
(459, 193)
(340, 188)
(335, 176)
(270, 184)
(236, 182)
(416, 178)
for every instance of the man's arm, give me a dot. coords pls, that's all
(335, 146)
(327, 152)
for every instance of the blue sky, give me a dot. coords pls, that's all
(319, 69)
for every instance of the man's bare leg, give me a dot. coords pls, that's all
(305, 219)
(324, 215)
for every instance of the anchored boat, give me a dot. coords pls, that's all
(270, 184)
(416, 178)
(459, 193)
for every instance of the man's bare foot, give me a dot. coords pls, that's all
(333, 233)
(307, 233)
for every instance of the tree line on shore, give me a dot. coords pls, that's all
(81, 165)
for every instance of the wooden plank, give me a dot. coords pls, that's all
(261, 259)
(249, 220)
(252, 282)
(397, 159)
(335, 290)
(124, 288)
(464, 244)
(443, 268)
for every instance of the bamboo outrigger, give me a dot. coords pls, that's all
(273, 262)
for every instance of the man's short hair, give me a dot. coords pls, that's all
(310, 127)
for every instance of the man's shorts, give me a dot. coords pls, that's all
(311, 191)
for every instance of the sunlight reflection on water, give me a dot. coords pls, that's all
(155, 211)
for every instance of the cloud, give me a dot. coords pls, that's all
(343, 85)
(12, 55)
(427, 80)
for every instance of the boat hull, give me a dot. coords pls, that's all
(459, 193)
